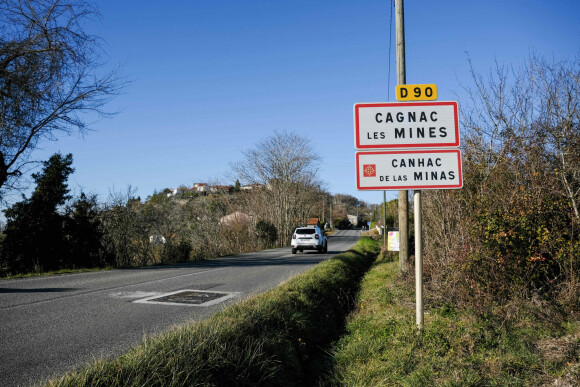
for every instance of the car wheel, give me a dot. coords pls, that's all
(319, 248)
(325, 249)
(293, 251)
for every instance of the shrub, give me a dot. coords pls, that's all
(342, 224)
(511, 231)
(266, 232)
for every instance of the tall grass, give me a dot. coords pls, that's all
(281, 337)
(525, 344)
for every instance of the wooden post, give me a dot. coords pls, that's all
(403, 194)
(385, 217)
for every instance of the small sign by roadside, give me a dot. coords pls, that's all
(393, 241)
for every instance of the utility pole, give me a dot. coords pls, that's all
(330, 215)
(403, 194)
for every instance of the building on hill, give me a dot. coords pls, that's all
(200, 187)
(221, 188)
(313, 222)
(251, 187)
(354, 219)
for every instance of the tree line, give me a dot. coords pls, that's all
(51, 230)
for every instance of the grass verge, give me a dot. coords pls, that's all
(528, 343)
(281, 337)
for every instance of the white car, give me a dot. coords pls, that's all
(309, 238)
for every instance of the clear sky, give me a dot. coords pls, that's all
(211, 78)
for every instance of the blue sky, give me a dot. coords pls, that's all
(211, 78)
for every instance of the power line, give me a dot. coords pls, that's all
(390, 49)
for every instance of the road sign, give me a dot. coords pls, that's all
(417, 92)
(393, 241)
(406, 125)
(410, 169)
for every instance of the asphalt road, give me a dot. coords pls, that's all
(49, 325)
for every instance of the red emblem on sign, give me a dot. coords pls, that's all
(369, 170)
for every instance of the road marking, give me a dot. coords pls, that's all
(189, 297)
(109, 289)
(136, 294)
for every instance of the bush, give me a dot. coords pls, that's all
(342, 224)
(512, 231)
(266, 232)
(176, 252)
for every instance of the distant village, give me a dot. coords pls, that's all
(205, 188)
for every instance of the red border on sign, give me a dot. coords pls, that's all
(414, 187)
(408, 145)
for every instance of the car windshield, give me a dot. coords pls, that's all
(305, 231)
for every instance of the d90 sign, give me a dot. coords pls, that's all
(417, 92)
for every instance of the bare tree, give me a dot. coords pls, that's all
(125, 231)
(559, 106)
(166, 220)
(286, 166)
(530, 117)
(512, 229)
(48, 77)
(204, 227)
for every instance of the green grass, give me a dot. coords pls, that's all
(281, 337)
(509, 346)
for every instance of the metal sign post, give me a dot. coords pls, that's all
(418, 259)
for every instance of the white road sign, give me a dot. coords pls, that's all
(409, 170)
(406, 125)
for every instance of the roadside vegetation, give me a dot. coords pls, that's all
(512, 231)
(50, 230)
(57, 272)
(501, 261)
(521, 343)
(281, 337)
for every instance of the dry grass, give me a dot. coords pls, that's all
(522, 343)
